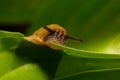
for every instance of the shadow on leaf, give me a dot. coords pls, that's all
(45, 57)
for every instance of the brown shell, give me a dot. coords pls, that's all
(43, 37)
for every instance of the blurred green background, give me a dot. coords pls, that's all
(97, 22)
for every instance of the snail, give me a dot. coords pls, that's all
(50, 33)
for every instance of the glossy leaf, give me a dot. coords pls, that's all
(26, 72)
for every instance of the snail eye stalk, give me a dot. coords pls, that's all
(72, 38)
(49, 30)
(66, 37)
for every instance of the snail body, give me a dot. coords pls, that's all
(50, 33)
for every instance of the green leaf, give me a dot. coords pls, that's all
(10, 34)
(12, 65)
(8, 42)
(80, 64)
(59, 65)
(25, 72)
